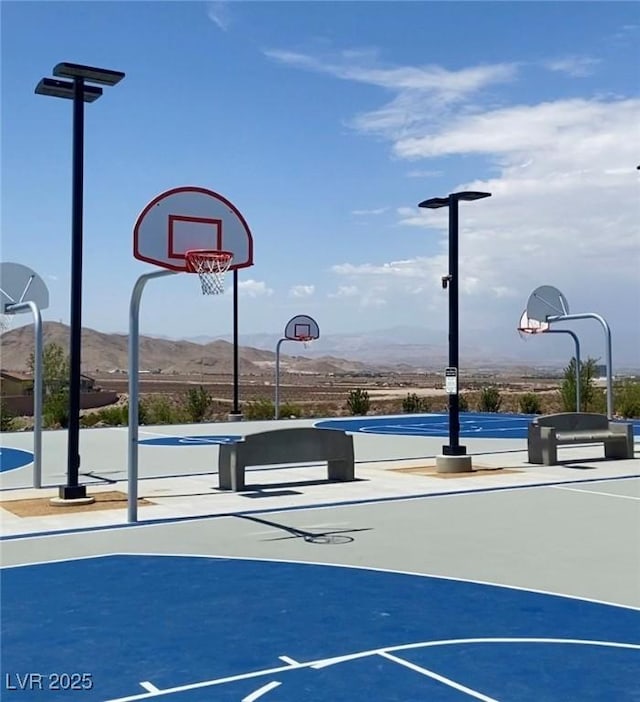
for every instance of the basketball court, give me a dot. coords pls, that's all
(510, 582)
(518, 582)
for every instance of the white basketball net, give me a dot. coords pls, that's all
(210, 267)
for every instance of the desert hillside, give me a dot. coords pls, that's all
(107, 353)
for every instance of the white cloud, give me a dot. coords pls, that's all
(574, 66)
(564, 206)
(364, 213)
(424, 173)
(254, 288)
(345, 291)
(302, 290)
(218, 13)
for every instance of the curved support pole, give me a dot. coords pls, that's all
(37, 385)
(607, 333)
(277, 398)
(134, 368)
(577, 343)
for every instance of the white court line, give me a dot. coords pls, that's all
(440, 678)
(261, 691)
(149, 687)
(325, 663)
(595, 492)
(289, 660)
(349, 566)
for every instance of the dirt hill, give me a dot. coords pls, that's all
(108, 353)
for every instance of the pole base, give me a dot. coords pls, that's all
(453, 464)
(454, 450)
(72, 492)
(74, 502)
(235, 416)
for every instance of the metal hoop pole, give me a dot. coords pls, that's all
(276, 403)
(577, 343)
(607, 334)
(37, 386)
(134, 368)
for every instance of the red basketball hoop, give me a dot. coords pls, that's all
(210, 266)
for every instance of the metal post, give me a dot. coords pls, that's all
(454, 448)
(577, 343)
(134, 369)
(277, 399)
(37, 385)
(607, 334)
(236, 403)
(72, 490)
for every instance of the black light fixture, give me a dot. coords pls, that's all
(451, 282)
(76, 90)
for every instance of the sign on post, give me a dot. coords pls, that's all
(451, 381)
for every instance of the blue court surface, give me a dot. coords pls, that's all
(206, 629)
(12, 458)
(478, 425)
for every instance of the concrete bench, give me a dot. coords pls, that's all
(297, 445)
(549, 431)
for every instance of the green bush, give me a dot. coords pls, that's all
(490, 400)
(261, 408)
(115, 416)
(413, 404)
(288, 410)
(197, 404)
(529, 403)
(89, 420)
(6, 418)
(627, 399)
(358, 401)
(463, 403)
(55, 410)
(158, 409)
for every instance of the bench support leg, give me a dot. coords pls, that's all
(618, 448)
(342, 470)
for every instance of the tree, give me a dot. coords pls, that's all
(55, 383)
(55, 368)
(588, 394)
(197, 403)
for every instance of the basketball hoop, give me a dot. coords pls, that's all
(210, 266)
(528, 327)
(306, 340)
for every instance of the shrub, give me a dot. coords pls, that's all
(89, 420)
(627, 399)
(529, 403)
(115, 416)
(288, 410)
(413, 404)
(55, 410)
(6, 418)
(158, 409)
(490, 400)
(358, 401)
(197, 404)
(261, 408)
(463, 403)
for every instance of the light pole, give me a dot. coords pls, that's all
(451, 282)
(77, 90)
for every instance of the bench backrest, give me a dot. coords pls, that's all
(296, 445)
(571, 421)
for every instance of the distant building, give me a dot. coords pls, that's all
(15, 383)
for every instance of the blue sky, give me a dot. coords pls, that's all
(325, 124)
